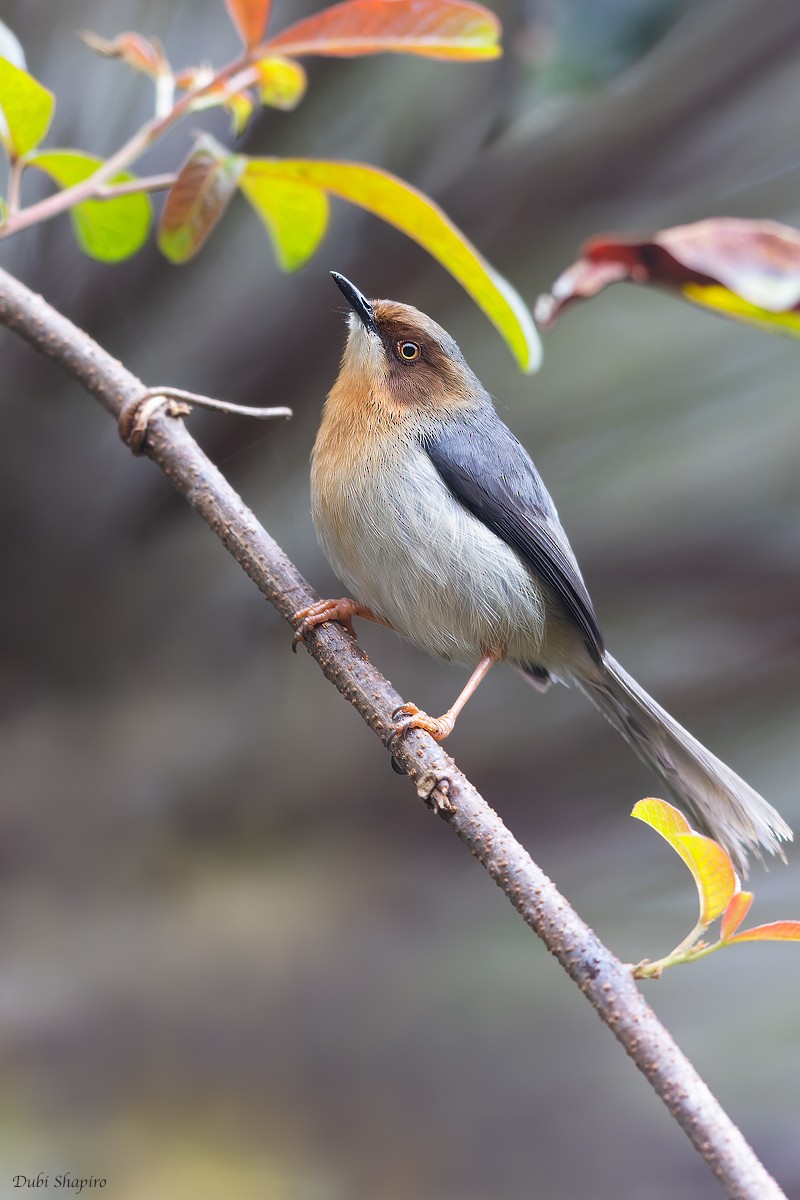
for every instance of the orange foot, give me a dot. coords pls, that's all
(342, 610)
(438, 727)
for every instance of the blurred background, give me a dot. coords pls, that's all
(237, 956)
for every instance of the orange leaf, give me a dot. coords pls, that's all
(132, 48)
(748, 270)
(250, 18)
(453, 29)
(775, 931)
(711, 867)
(734, 914)
(197, 199)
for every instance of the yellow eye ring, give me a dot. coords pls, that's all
(408, 351)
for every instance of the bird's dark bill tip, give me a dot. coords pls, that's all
(356, 299)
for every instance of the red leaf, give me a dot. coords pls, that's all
(775, 931)
(749, 270)
(734, 914)
(250, 18)
(132, 48)
(197, 199)
(454, 29)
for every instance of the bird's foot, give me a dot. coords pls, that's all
(412, 718)
(342, 610)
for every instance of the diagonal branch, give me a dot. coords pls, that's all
(605, 982)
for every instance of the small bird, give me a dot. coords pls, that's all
(435, 518)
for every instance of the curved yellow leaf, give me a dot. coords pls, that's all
(712, 870)
(419, 218)
(711, 867)
(664, 818)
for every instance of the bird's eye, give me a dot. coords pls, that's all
(408, 351)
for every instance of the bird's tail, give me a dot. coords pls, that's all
(726, 807)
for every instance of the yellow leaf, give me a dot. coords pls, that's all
(419, 218)
(282, 82)
(664, 818)
(295, 215)
(710, 865)
(720, 300)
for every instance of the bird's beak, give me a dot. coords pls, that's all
(357, 301)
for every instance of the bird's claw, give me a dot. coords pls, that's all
(319, 614)
(410, 717)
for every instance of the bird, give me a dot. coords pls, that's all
(433, 515)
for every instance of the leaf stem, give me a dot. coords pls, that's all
(14, 185)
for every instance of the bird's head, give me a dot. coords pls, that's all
(400, 360)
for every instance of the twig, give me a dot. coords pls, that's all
(147, 183)
(602, 978)
(145, 137)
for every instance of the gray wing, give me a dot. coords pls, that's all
(492, 475)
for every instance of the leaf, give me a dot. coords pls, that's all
(27, 108)
(711, 867)
(449, 29)
(775, 931)
(250, 19)
(108, 230)
(415, 215)
(734, 914)
(241, 107)
(197, 199)
(282, 82)
(132, 48)
(295, 215)
(747, 270)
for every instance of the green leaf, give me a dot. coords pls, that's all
(295, 214)
(409, 211)
(108, 230)
(197, 199)
(27, 108)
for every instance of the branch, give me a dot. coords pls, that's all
(602, 978)
(97, 185)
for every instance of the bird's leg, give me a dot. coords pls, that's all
(441, 727)
(342, 610)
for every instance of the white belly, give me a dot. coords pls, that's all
(420, 560)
